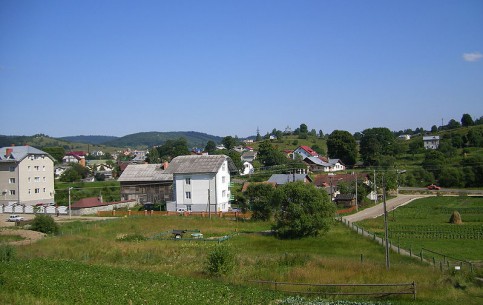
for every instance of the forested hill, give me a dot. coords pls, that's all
(157, 138)
(89, 139)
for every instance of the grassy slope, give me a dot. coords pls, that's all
(334, 258)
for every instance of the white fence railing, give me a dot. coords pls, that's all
(29, 209)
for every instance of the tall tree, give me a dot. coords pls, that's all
(467, 120)
(341, 144)
(269, 156)
(56, 152)
(376, 142)
(173, 148)
(303, 210)
(210, 147)
(259, 196)
(229, 142)
(303, 128)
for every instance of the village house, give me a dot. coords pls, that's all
(431, 142)
(26, 176)
(280, 179)
(317, 164)
(201, 183)
(303, 152)
(75, 157)
(146, 183)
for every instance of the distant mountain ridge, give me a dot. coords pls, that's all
(141, 139)
(154, 138)
(91, 139)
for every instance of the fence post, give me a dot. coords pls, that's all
(441, 266)
(410, 252)
(434, 261)
(421, 254)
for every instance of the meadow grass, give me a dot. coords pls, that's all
(331, 258)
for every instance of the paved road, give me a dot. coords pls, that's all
(378, 210)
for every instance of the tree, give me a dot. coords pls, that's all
(467, 120)
(321, 134)
(303, 128)
(56, 152)
(269, 156)
(475, 137)
(153, 156)
(210, 147)
(375, 143)
(452, 124)
(341, 144)
(433, 162)
(303, 210)
(259, 196)
(229, 142)
(434, 129)
(173, 148)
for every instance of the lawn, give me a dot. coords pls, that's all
(88, 262)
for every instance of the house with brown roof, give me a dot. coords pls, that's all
(92, 205)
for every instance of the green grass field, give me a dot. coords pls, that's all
(425, 224)
(88, 264)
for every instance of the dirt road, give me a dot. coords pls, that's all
(378, 210)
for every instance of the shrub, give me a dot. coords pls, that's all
(44, 224)
(7, 253)
(220, 261)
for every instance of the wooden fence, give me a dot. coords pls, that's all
(337, 289)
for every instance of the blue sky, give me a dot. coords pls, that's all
(228, 67)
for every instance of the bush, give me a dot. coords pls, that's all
(7, 253)
(45, 224)
(220, 261)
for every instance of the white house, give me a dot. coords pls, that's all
(201, 183)
(317, 164)
(26, 176)
(304, 152)
(431, 142)
(248, 169)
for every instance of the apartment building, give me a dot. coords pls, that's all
(26, 176)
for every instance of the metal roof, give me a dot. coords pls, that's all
(284, 178)
(18, 153)
(145, 172)
(199, 164)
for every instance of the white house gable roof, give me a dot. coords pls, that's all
(199, 164)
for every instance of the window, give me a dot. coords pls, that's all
(37, 168)
(188, 180)
(188, 195)
(29, 179)
(12, 192)
(223, 167)
(11, 180)
(223, 193)
(43, 168)
(12, 168)
(30, 191)
(44, 179)
(28, 167)
(37, 191)
(44, 190)
(223, 179)
(37, 179)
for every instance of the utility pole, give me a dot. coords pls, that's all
(357, 204)
(70, 209)
(209, 204)
(375, 186)
(386, 233)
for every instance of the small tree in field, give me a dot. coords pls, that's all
(303, 210)
(45, 224)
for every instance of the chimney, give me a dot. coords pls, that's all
(8, 152)
(165, 164)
